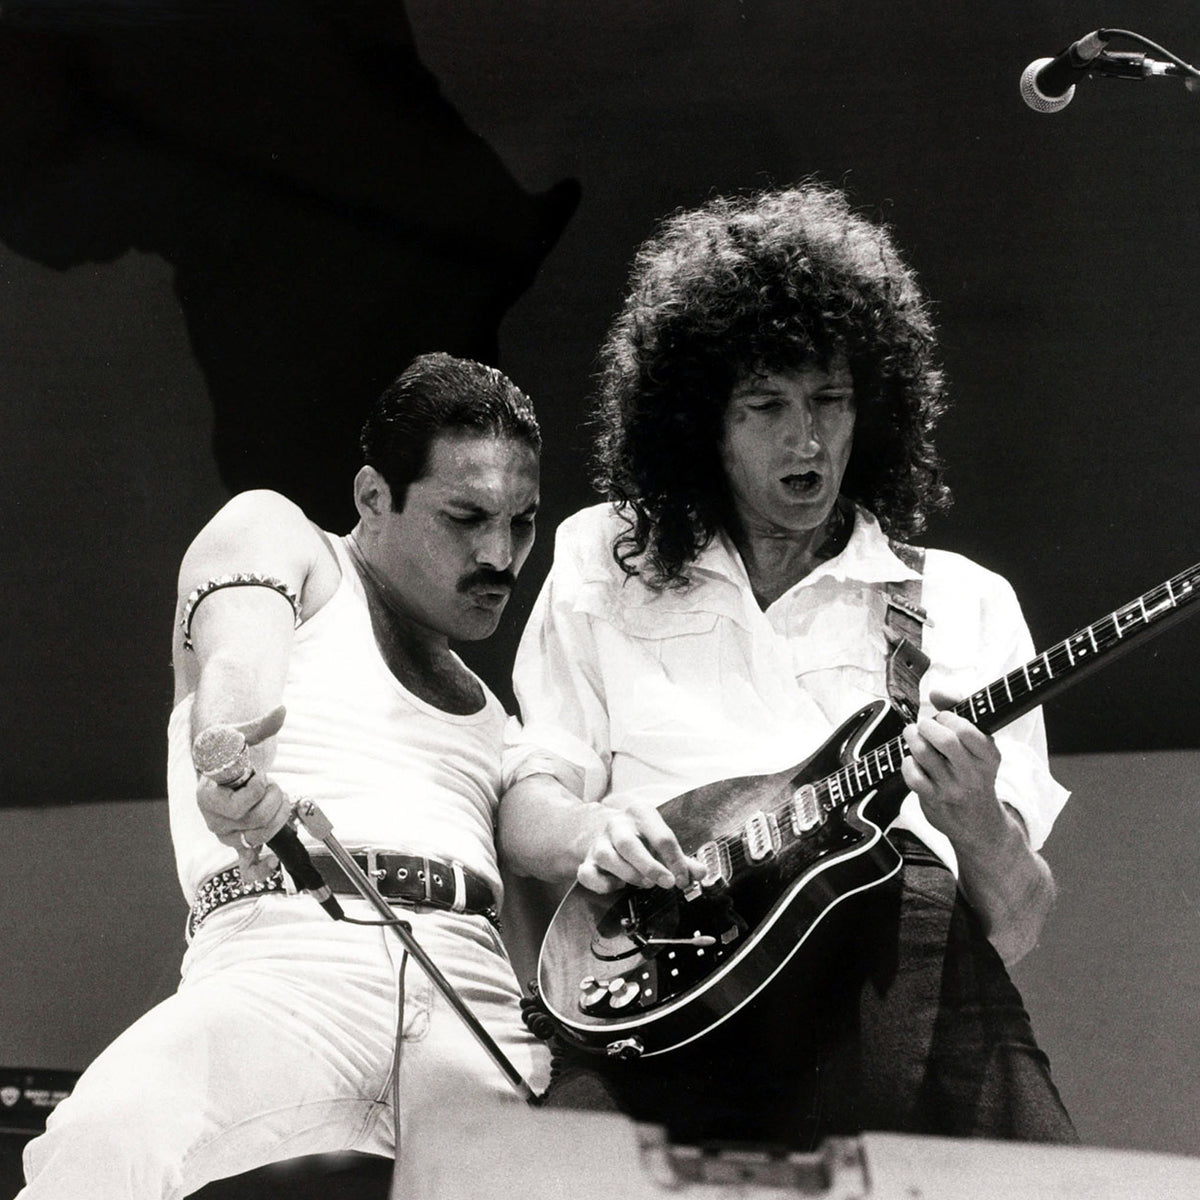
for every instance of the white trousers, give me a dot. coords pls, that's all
(280, 1042)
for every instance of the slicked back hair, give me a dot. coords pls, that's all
(440, 394)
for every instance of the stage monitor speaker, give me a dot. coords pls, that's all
(483, 1151)
(28, 1095)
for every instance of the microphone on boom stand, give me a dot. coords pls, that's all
(1048, 84)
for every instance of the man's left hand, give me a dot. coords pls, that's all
(952, 769)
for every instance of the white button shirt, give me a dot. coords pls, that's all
(627, 691)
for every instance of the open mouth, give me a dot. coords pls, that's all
(803, 483)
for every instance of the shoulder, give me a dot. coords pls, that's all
(596, 524)
(258, 509)
(583, 545)
(260, 532)
(588, 581)
(954, 581)
(958, 568)
(260, 516)
(585, 580)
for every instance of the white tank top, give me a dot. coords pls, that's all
(388, 769)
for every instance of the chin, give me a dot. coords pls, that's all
(800, 522)
(473, 635)
(808, 516)
(477, 629)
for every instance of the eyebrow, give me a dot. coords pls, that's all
(753, 388)
(473, 507)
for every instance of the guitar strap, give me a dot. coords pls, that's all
(904, 620)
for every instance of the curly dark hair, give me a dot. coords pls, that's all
(767, 282)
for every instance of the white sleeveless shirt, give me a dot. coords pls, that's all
(388, 769)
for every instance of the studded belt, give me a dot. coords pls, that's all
(399, 878)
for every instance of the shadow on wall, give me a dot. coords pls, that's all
(327, 213)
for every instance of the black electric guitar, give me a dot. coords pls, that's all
(641, 971)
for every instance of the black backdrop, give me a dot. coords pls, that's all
(222, 233)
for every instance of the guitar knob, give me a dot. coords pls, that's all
(592, 995)
(624, 995)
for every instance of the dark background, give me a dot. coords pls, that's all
(224, 228)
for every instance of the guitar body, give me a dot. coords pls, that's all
(642, 971)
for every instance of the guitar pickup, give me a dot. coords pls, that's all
(717, 867)
(761, 836)
(806, 809)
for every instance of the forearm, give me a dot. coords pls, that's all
(232, 689)
(953, 769)
(545, 830)
(1008, 884)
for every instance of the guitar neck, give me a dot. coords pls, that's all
(1070, 660)
(1035, 682)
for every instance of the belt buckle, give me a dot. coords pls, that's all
(427, 879)
(374, 874)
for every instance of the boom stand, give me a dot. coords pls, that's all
(316, 822)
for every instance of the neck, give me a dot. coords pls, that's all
(776, 560)
(401, 625)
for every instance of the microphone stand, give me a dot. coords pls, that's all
(316, 822)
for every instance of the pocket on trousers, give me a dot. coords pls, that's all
(219, 927)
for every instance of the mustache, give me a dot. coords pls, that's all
(487, 578)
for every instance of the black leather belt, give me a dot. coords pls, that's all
(400, 879)
(412, 879)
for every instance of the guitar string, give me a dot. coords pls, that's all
(1058, 661)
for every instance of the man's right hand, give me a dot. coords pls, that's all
(238, 801)
(633, 845)
(245, 818)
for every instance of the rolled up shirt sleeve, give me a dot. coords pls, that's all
(1025, 784)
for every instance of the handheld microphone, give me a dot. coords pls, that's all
(219, 754)
(1048, 84)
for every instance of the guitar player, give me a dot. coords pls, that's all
(766, 406)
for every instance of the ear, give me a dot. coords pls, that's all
(372, 496)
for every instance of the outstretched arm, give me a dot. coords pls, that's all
(239, 641)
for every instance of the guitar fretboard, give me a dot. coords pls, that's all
(1031, 684)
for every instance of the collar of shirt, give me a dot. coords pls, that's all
(867, 557)
(722, 586)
